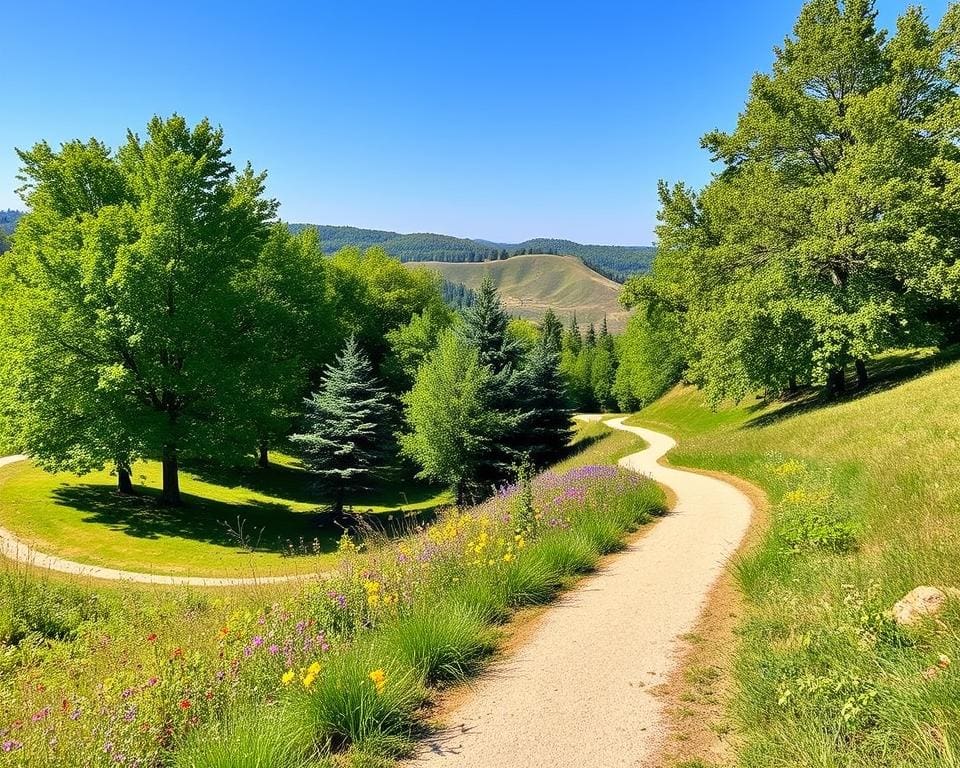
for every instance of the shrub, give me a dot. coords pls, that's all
(361, 698)
(443, 642)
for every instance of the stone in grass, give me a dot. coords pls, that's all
(923, 602)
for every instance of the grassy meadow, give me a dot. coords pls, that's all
(234, 523)
(332, 672)
(865, 495)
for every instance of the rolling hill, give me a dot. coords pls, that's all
(616, 262)
(532, 283)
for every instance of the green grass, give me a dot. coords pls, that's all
(596, 443)
(866, 496)
(234, 523)
(530, 284)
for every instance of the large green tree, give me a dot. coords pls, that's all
(451, 426)
(123, 295)
(830, 234)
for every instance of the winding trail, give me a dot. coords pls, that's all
(11, 547)
(581, 692)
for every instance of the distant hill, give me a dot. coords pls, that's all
(8, 220)
(530, 284)
(616, 262)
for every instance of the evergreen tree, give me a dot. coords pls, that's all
(347, 427)
(551, 330)
(546, 427)
(485, 327)
(591, 338)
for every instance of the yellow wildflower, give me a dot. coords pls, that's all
(379, 679)
(308, 679)
(508, 557)
(314, 669)
(287, 677)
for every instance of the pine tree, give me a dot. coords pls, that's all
(347, 436)
(551, 330)
(484, 328)
(546, 426)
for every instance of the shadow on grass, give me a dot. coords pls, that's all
(886, 372)
(253, 525)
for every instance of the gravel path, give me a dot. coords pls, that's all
(14, 549)
(581, 692)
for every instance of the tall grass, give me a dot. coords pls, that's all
(865, 499)
(332, 672)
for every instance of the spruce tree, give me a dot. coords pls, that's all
(347, 436)
(546, 426)
(551, 330)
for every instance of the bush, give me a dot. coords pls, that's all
(443, 642)
(362, 699)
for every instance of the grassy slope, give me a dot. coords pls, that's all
(825, 678)
(80, 518)
(531, 284)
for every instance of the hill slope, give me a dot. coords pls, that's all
(614, 261)
(531, 284)
(865, 495)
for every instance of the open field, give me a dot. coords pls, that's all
(234, 523)
(865, 495)
(313, 674)
(529, 285)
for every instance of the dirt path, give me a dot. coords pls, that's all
(14, 549)
(581, 692)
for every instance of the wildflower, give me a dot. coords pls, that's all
(257, 641)
(379, 679)
(308, 679)
(152, 637)
(508, 557)
(177, 653)
(43, 714)
(274, 649)
(184, 704)
(314, 669)
(11, 745)
(287, 677)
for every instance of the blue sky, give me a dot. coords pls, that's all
(501, 120)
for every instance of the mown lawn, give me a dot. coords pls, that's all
(866, 506)
(234, 523)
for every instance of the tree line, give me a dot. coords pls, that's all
(832, 231)
(155, 308)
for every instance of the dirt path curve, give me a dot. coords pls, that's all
(14, 549)
(580, 693)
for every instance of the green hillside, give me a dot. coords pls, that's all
(616, 262)
(865, 496)
(531, 284)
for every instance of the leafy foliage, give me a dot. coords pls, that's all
(831, 233)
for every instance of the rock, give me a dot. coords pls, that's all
(923, 602)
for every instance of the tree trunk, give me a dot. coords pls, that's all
(264, 456)
(171, 477)
(460, 492)
(837, 381)
(792, 387)
(863, 378)
(124, 481)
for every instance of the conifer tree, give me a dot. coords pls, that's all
(347, 436)
(546, 427)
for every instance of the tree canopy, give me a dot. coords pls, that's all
(831, 232)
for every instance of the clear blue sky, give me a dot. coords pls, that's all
(502, 120)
